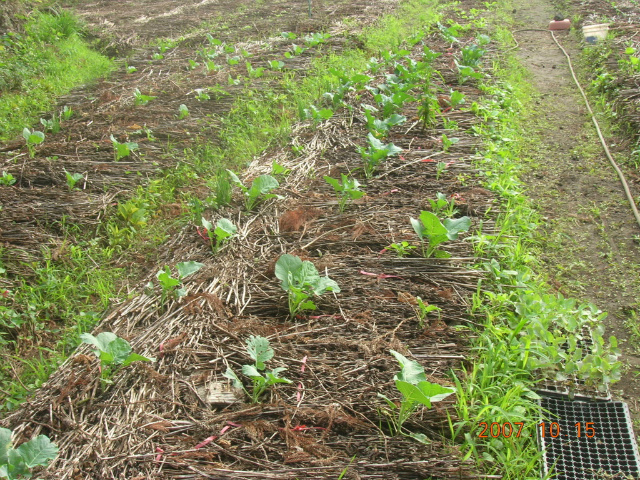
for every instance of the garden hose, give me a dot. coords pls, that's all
(621, 176)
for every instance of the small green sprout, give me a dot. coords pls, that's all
(430, 230)
(317, 115)
(349, 189)
(140, 98)
(131, 69)
(260, 352)
(33, 138)
(301, 280)
(17, 462)
(259, 190)
(121, 150)
(423, 309)
(412, 384)
(73, 178)
(67, 113)
(443, 206)
(201, 94)
(52, 125)
(223, 232)
(402, 249)
(170, 285)
(447, 142)
(114, 353)
(7, 179)
(276, 64)
(277, 169)
(375, 153)
(183, 112)
(441, 167)
(254, 72)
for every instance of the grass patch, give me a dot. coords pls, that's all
(47, 59)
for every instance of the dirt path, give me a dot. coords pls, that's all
(589, 253)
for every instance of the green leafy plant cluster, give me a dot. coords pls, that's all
(301, 280)
(17, 463)
(346, 190)
(122, 150)
(170, 285)
(114, 353)
(432, 232)
(33, 138)
(415, 390)
(220, 234)
(375, 152)
(259, 190)
(260, 352)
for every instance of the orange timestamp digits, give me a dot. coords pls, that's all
(509, 429)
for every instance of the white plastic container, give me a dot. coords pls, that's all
(595, 33)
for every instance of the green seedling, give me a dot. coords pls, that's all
(212, 66)
(348, 190)
(375, 153)
(295, 50)
(259, 190)
(140, 98)
(423, 309)
(441, 167)
(289, 35)
(301, 280)
(433, 233)
(254, 72)
(402, 249)
(456, 98)
(157, 56)
(213, 41)
(223, 231)
(260, 352)
(235, 60)
(471, 56)
(314, 39)
(183, 112)
(443, 206)
(17, 462)
(7, 179)
(277, 169)
(447, 142)
(114, 353)
(33, 138)
(201, 94)
(192, 64)
(466, 72)
(412, 384)
(52, 125)
(317, 115)
(276, 64)
(131, 69)
(391, 104)
(121, 150)
(73, 178)
(133, 214)
(170, 285)
(67, 113)
(380, 128)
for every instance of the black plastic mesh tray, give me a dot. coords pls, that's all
(610, 447)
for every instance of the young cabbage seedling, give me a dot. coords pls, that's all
(170, 284)
(17, 462)
(430, 230)
(260, 352)
(375, 153)
(349, 189)
(402, 249)
(7, 179)
(33, 138)
(222, 232)
(260, 188)
(72, 179)
(183, 111)
(121, 150)
(442, 205)
(114, 353)
(317, 115)
(423, 309)
(140, 98)
(301, 280)
(412, 384)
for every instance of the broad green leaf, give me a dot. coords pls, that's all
(432, 224)
(307, 274)
(259, 350)
(323, 284)
(395, 119)
(392, 405)
(120, 349)
(309, 305)
(225, 229)
(263, 184)
(106, 358)
(411, 371)
(455, 226)
(234, 178)
(5, 444)
(375, 143)
(420, 437)
(334, 183)
(417, 227)
(273, 376)
(207, 224)
(287, 264)
(188, 268)
(424, 392)
(166, 280)
(251, 371)
(230, 374)
(16, 466)
(135, 357)
(102, 341)
(38, 451)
